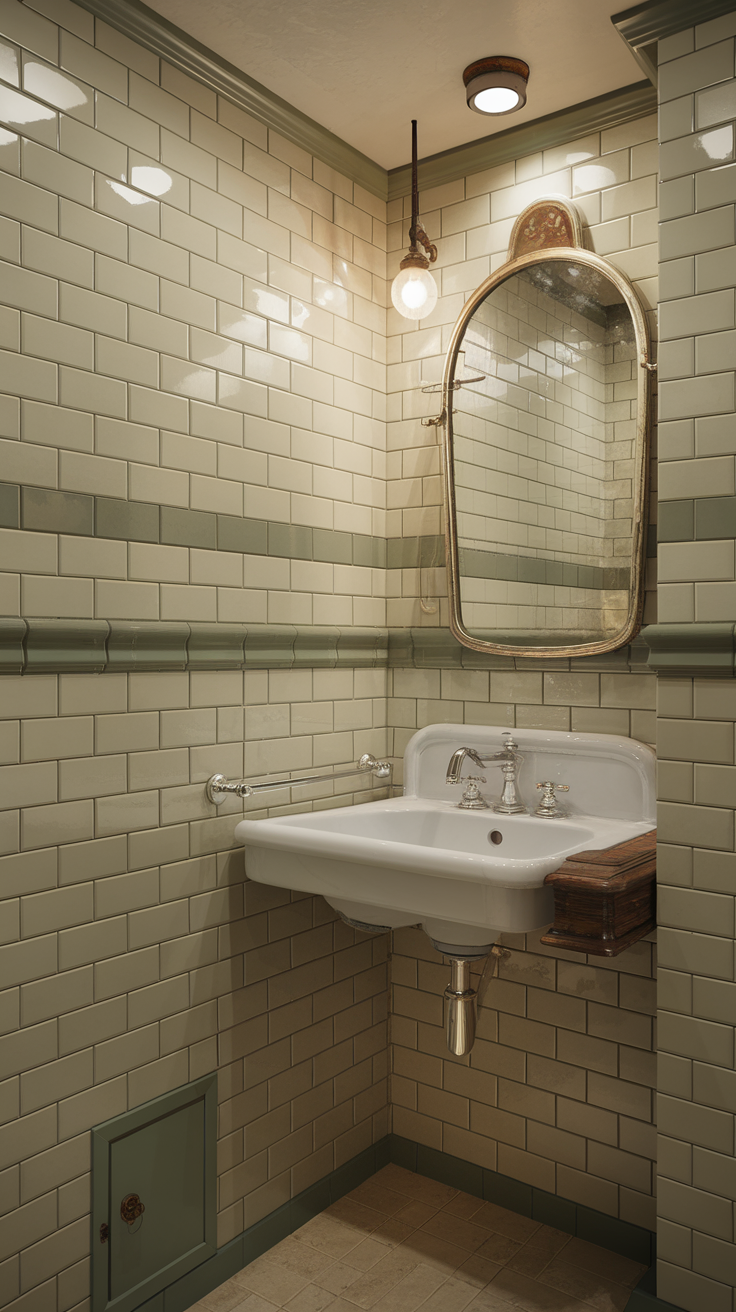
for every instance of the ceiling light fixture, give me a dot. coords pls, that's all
(496, 84)
(414, 290)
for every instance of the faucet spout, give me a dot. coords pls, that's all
(456, 763)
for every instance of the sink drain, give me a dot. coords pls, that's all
(495, 836)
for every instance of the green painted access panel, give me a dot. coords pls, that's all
(153, 1195)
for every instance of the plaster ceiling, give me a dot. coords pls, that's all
(365, 68)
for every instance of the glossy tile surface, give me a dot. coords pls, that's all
(401, 1242)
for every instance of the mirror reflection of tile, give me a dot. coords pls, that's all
(544, 452)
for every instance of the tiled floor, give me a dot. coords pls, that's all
(401, 1242)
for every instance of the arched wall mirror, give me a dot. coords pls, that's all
(546, 410)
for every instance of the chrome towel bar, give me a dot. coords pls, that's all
(218, 787)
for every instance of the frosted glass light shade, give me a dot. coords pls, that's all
(496, 100)
(414, 293)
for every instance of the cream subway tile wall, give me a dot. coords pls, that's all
(135, 957)
(197, 336)
(200, 310)
(696, 717)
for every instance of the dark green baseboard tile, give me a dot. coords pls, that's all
(573, 1218)
(631, 1241)
(644, 1297)
(703, 650)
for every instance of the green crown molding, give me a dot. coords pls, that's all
(155, 33)
(56, 646)
(647, 23)
(607, 111)
(691, 649)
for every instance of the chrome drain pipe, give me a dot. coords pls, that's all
(461, 1001)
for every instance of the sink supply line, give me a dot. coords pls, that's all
(218, 787)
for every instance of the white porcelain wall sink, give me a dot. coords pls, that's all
(466, 876)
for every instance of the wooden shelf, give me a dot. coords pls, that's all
(605, 900)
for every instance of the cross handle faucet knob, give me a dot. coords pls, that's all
(548, 807)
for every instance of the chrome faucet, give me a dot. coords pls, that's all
(509, 759)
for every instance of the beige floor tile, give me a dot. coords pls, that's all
(378, 1196)
(415, 1214)
(298, 1257)
(463, 1205)
(477, 1271)
(612, 1266)
(328, 1235)
(457, 1230)
(499, 1249)
(352, 1213)
(310, 1299)
(254, 1303)
(336, 1278)
(533, 1296)
(412, 1291)
(489, 1300)
(504, 1222)
(366, 1253)
(603, 1295)
(271, 1280)
(415, 1186)
(528, 1261)
(440, 1253)
(548, 1240)
(393, 1231)
(225, 1297)
(452, 1296)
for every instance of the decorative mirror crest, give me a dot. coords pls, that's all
(546, 448)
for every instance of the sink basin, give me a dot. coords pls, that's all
(466, 876)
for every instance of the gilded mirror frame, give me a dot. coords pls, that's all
(551, 229)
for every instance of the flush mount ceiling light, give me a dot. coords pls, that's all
(414, 290)
(496, 84)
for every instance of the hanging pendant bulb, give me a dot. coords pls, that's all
(414, 290)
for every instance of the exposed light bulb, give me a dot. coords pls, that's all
(496, 100)
(414, 293)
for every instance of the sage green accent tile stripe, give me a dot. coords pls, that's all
(316, 647)
(134, 521)
(270, 647)
(188, 528)
(57, 512)
(676, 521)
(476, 564)
(48, 511)
(65, 646)
(12, 655)
(704, 649)
(715, 517)
(138, 645)
(9, 505)
(292, 540)
(247, 535)
(155, 33)
(79, 646)
(216, 646)
(556, 129)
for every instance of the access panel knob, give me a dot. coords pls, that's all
(131, 1209)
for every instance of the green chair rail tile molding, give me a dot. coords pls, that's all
(154, 1196)
(69, 646)
(573, 1218)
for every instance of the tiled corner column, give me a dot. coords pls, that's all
(695, 732)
